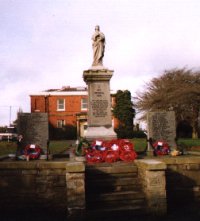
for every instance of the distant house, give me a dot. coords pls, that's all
(66, 108)
(9, 134)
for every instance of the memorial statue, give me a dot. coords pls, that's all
(98, 47)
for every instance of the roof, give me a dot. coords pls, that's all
(68, 88)
(64, 91)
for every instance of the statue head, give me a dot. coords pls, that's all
(97, 28)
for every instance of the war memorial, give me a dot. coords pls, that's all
(150, 185)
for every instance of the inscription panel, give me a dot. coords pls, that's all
(99, 105)
(161, 126)
(99, 108)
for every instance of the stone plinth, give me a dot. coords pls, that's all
(99, 104)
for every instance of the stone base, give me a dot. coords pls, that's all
(103, 133)
(100, 67)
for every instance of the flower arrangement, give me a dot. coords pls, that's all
(161, 148)
(108, 151)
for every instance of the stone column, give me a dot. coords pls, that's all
(99, 104)
(152, 176)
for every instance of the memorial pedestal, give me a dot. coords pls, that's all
(99, 104)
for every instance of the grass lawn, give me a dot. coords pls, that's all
(7, 147)
(55, 146)
(62, 145)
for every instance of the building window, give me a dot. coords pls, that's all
(84, 104)
(60, 104)
(60, 123)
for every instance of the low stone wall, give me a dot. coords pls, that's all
(60, 186)
(41, 185)
(167, 183)
(182, 181)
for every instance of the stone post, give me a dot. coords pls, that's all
(152, 176)
(75, 178)
(99, 104)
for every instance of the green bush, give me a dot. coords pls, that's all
(124, 132)
(189, 142)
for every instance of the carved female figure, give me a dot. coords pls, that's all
(98, 47)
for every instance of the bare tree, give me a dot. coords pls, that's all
(176, 89)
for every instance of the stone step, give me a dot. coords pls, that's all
(111, 188)
(92, 189)
(111, 168)
(115, 196)
(116, 215)
(110, 181)
(90, 174)
(117, 206)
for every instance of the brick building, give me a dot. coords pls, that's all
(66, 108)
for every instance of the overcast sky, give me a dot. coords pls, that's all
(47, 44)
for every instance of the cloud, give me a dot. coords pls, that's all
(47, 44)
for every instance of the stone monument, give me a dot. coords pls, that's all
(99, 101)
(34, 128)
(162, 126)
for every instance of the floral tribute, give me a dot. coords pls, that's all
(110, 151)
(161, 148)
(33, 151)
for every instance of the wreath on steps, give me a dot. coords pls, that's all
(108, 151)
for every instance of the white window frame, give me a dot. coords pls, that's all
(60, 106)
(60, 123)
(84, 103)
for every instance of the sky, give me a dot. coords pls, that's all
(47, 44)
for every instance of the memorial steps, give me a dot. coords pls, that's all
(113, 189)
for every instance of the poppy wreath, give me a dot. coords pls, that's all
(33, 151)
(99, 145)
(113, 145)
(94, 156)
(128, 155)
(111, 156)
(161, 148)
(110, 151)
(126, 145)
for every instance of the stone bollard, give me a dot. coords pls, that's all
(152, 175)
(75, 178)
